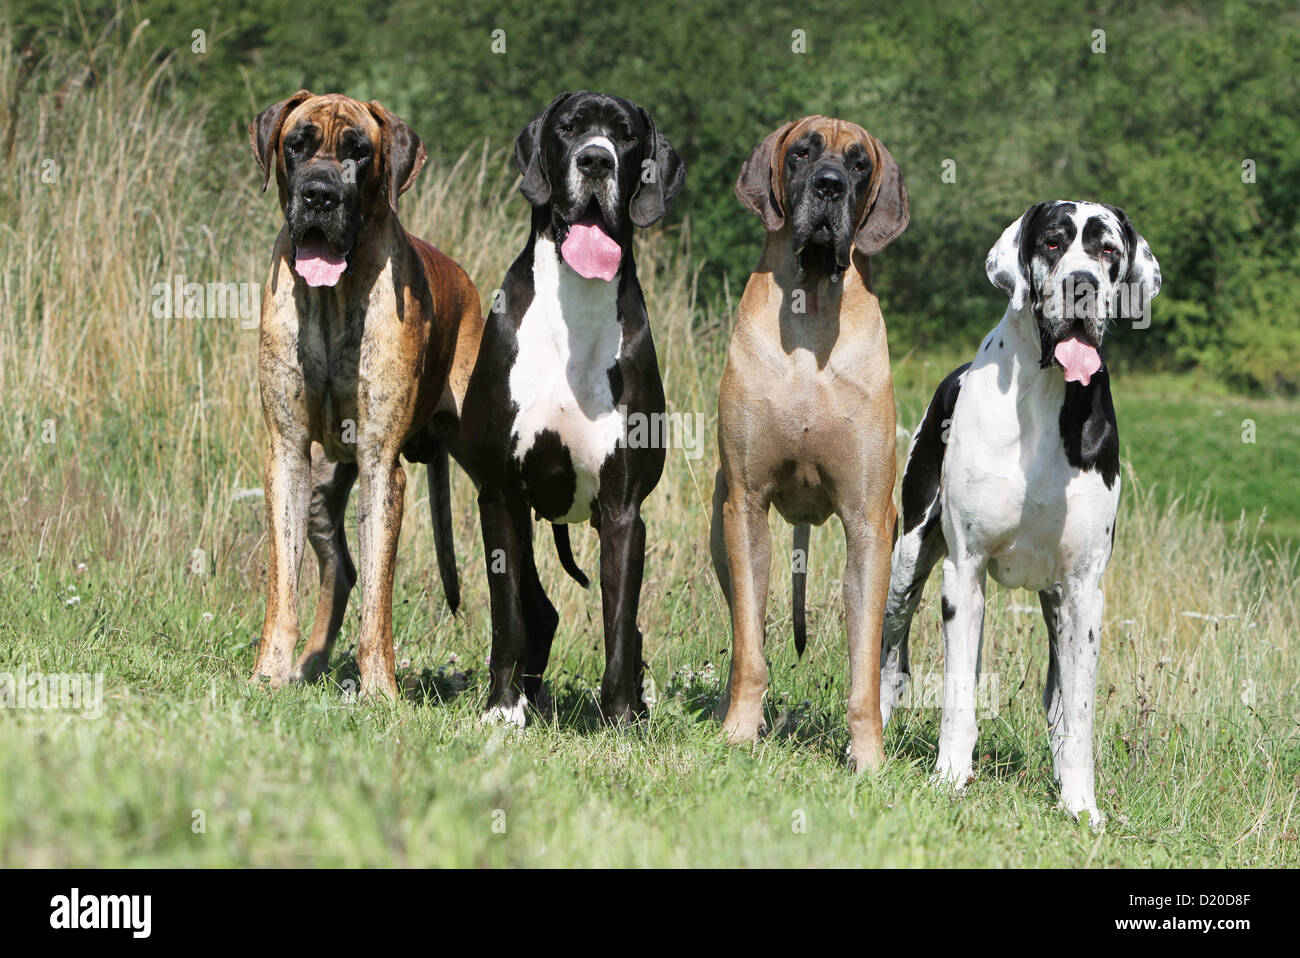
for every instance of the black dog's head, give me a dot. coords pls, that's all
(835, 184)
(593, 167)
(338, 163)
(1078, 266)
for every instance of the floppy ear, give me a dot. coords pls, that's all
(756, 186)
(404, 152)
(1005, 265)
(888, 214)
(1142, 266)
(666, 173)
(535, 186)
(264, 133)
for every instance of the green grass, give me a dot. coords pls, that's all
(1196, 765)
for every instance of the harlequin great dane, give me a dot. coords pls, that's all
(806, 405)
(567, 361)
(1014, 472)
(368, 338)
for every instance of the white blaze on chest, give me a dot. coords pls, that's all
(569, 339)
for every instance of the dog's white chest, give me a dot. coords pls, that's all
(569, 340)
(1009, 492)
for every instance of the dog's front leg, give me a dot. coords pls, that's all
(866, 582)
(379, 522)
(1075, 636)
(287, 479)
(749, 554)
(506, 533)
(622, 563)
(963, 632)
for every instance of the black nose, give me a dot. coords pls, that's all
(1081, 291)
(1081, 281)
(596, 161)
(320, 195)
(830, 183)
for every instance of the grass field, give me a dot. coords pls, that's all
(130, 548)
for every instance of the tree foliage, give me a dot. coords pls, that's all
(1017, 101)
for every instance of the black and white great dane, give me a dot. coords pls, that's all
(566, 361)
(1014, 472)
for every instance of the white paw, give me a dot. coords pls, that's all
(501, 715)
(952, 777)
(1083, 806)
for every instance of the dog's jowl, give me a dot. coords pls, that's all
(567, 355)
(1014, 473)
(368, 337)
(806, 406)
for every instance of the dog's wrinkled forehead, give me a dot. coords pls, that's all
(326, 121)
(585, 115)
(821, 136)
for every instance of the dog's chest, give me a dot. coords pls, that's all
(567, 422)
(1010, 493)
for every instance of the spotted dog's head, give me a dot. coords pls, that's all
(1079, 266)
(836, 185)
(338, 163)
(593, 167)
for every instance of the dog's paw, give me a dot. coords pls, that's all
(1083, 809)
(506, 715)
(952, 778)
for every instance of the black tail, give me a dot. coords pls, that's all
(440, 511)
(799, 565)
(563, 550)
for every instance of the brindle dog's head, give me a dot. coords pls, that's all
(836, 185)
(339, 164)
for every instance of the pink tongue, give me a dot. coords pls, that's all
(317, 263)
(591, 252)
(1078, 358)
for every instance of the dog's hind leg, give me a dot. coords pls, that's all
(331, 482)
(920, 544)
(540, 621)
(717, 538)
(914, 557)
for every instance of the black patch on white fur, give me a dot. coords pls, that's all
(924, 465)
(1088, 427)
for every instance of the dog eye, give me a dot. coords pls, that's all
(860, 167)
(1109, 251)
(565, 127)
(801, 154)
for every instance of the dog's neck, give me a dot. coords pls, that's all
(1015, 346)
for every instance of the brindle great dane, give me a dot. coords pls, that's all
(368, 339)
